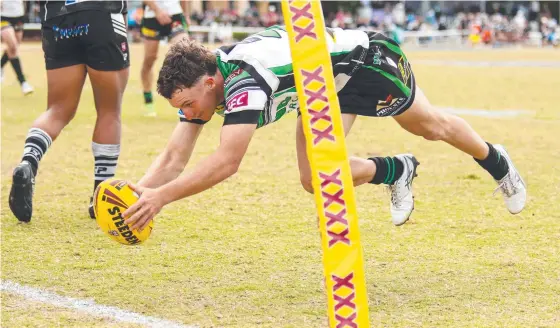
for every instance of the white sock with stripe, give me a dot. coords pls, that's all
(106, 158)
(36, 145)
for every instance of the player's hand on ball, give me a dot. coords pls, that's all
(139, 215)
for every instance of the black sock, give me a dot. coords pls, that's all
(96, 183)
(17, 68)
(388, 170)
(148, 97)
(36, 145)
(494, 163)
(4, 59)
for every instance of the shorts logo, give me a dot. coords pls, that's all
(71, 32)
(176, 27)
(391, 62)
(377, 56)
(123, 46)
(389, 106)
(404, 68)
(239, 100)
(148, 32)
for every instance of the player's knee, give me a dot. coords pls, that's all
(61, 115)
(149, 60)
(12, 50)
(434, 134)
(109, 116)
(440, 129)
(306, 184)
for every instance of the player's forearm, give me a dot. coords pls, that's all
(162, 171)
(211, 171)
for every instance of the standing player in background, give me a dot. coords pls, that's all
(79, 38)
(12, 33)
(162, 19)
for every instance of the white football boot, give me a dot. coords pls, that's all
(402, 200)
(26, 88)
(512, 186)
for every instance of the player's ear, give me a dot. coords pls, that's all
(210, 82)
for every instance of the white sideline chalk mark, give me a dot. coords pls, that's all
(467, 63)
(90, 307)
(486, 113)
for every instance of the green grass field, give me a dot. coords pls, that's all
(247, 252)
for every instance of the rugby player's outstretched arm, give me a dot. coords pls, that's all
(172, 161)
(220, 165)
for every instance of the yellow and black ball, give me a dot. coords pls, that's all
(112, 197)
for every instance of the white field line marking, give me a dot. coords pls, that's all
(487, 113)
(479, 63)
(87, 306)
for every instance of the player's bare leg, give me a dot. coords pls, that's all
(64, 89)
(424, 120)
(9, 37)
(150, 56)
(108, 88)
(397, 172)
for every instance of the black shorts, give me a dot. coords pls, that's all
(15, 22)
(153, 30)
(384, 85)
(92, 37)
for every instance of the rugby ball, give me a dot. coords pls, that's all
(111, 198)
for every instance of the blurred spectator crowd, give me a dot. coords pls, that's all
(503, 23)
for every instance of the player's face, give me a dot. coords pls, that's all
(198, 101)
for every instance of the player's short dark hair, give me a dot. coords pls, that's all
(185, 63)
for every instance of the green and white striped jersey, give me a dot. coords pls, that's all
(258, 74)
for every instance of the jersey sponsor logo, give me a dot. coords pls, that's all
(239, 100)
(288, 104)
(232, 75)
(389, 106)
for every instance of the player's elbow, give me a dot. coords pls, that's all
(230, 169)
(174, 164)
(306, 184)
